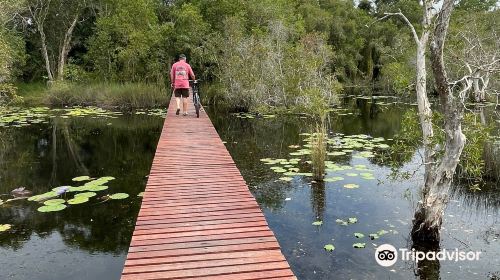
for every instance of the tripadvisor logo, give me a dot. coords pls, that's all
(387, 255)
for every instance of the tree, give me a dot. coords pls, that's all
(60, 17)
(474, 52)
(12, 53)
(440, 159)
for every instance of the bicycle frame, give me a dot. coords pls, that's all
(196, 96)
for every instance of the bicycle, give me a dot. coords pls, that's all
(196, 96)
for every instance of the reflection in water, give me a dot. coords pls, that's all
(87, 241)
(429, 270)
(318, 198)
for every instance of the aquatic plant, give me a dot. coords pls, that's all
(318, 151)
(329, 247)
(118, 196)
(359, 245)
(5, 227)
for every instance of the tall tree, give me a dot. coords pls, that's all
(60, 17)
(440, 159)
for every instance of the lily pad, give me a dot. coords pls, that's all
(351, 186)
(43, 196)
(351, 174)
(336, 153)
(329, 247)
(286, 179)
(382, 232)
(52, 208)
(78, 200)
(77, 189)
(353, 220)
(359, 245)
(96, 188)
(341, 222)
(107, 178)
(54, 201)
(317, 223)
(279, 170)
(86, 194)
(333, 179)
(359, 235)
(373, 236)
(81, 178)
(141, 194)
(118, 196)
(4, 227)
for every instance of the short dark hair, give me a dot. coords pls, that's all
(182, 56)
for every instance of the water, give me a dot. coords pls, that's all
(470, 222)
(87, 241)
(90, 241)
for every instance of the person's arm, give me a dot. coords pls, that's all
(191, 73)
(172, 77)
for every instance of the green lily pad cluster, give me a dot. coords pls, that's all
(285, 167)
(153, 112)
(362, 144)
(245, 115)
(89, 111)
(351, 220)
(19, 117)
(377, 234)
(253, 116)
(53, 201)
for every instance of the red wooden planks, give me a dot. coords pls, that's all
(198, 219)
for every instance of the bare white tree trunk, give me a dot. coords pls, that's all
(39, 12)
(65, 48)
(429, 215)
(438, 172)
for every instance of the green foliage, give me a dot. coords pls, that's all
(476, 5)
(125, 44)
(398, 76)
(268, 69)
(263, 55)
(12, 51)
(8, 94)
(472, 163)
(318, 151)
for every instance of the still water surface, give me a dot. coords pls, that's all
(90, 241)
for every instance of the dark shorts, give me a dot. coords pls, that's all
(184, 92)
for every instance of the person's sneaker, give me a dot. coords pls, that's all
(185, 114)
(178, 111)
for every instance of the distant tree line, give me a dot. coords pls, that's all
(260, 53)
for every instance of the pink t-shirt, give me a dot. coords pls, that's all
(180, 73)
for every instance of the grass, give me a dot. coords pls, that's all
(105, 95)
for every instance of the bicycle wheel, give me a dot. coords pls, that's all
(197, 105)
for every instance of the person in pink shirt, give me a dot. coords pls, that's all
(179, 79)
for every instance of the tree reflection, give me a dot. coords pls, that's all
(318, 199)
(40, 157)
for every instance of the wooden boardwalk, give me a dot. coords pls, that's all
(198, 220)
